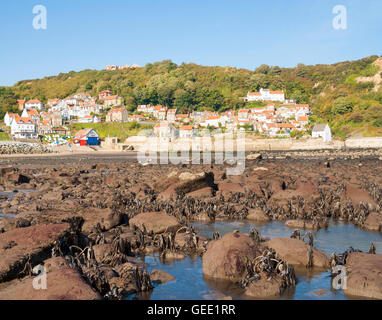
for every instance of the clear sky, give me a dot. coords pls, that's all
(89, 34)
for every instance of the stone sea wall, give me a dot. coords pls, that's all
(11, 147)
(150, 144)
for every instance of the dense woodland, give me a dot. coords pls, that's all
(333, 91)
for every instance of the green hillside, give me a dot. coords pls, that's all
(351, 107)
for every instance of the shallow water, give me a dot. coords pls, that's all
(9, 195)
(190, 284)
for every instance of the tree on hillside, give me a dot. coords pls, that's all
(258, 81)
(264, 69)
(275, 70)
(342, 105)
(8, 101)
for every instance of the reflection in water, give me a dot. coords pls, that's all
(191, 284)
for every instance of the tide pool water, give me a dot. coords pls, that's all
(190, 283)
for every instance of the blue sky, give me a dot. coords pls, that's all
(85, 34)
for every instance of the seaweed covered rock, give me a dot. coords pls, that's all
(62, 283)
(27, 245)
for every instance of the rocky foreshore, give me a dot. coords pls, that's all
(88, 222)
(344, 154)
(13, 147)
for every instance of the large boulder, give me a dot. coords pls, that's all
(257, 215)
(19, 244)
(157, 222)
(373, 221)
(296, 252)
(358, 195)
(226, 258)
(306, 224)
(62, 283)
(106, 218)
(226, 188)
(364, 275)
(14, 178)
(201, 193)
(52, 196)
(264, 288)
(161, 277)
(183, 183)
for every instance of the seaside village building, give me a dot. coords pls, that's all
(23, 128)
(34, 104)
(89, 119)
(104, 94)
(53, 102)
(266, 95)
(115, 67)
(164, 130)
(21, 104)
(9, 117)
(44, 127)
(112, 101)
(30, 104)
(185, 132)
(145, 108)
(171, 115)
(31, 113)
(86, 137)
(268, 120)
(135, 117)
(322, 131)
(117, 115)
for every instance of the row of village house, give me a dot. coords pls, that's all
(284, 119)
(39, 119)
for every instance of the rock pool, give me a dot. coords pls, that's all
(190, 283)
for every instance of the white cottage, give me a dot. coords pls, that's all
(266, 95)
(9, 117)
(23, 128)
(323, 131)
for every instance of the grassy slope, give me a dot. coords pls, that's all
(113, 129)
(4, 136)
